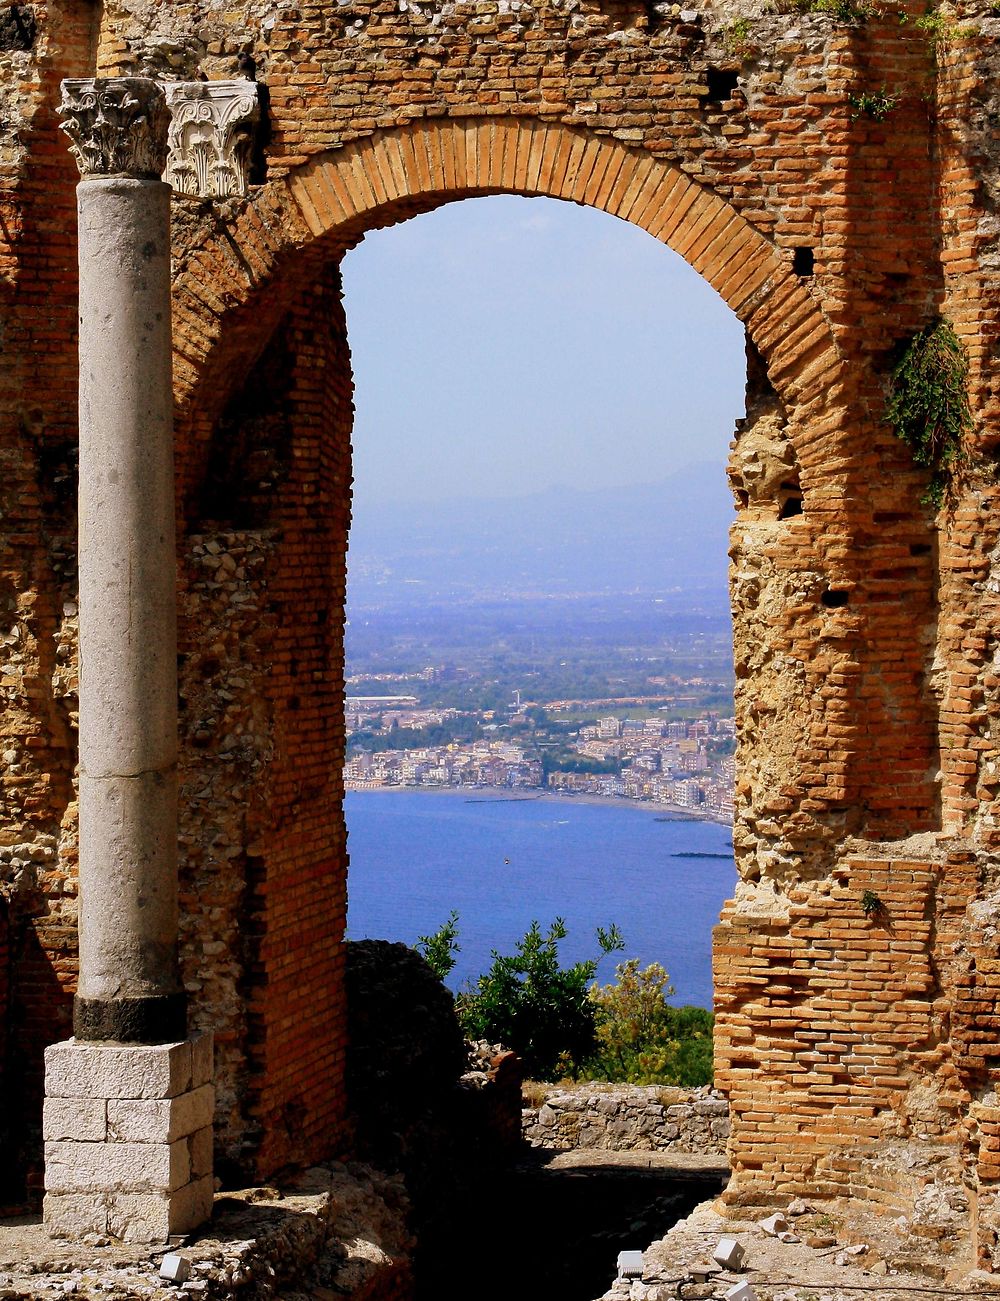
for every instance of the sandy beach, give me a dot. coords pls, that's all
(474, 794)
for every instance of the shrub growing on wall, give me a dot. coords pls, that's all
(928, 404)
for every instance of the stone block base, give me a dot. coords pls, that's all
(128, 1138)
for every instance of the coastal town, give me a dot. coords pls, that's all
(685, 764)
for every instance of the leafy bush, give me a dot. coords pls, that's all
(641, 1038)
(928, 404)
(439, 949)
(529, 1003)
(562, 1023)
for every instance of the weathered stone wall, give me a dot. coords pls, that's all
(627, 1118)
(865, 624)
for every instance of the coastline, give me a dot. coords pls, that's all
(476, 794)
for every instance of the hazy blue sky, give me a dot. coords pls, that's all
(503, 345)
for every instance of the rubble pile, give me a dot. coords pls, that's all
(336, 1231)
(805, 1253)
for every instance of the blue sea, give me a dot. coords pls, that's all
(503, 862)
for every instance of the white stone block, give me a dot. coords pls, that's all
(191, 1206)
(201, 1148)
(175, 1267)
(630, 1264)
(155, 1217)
(72, 1167)
(730, 1253)
(741, 1291)
(84, 1070)
(139, 1217)
(160, 1120)
(83, 1119)
(202, 1059)
(774, 1224)
(71, 1215)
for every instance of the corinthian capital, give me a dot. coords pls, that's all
(117, 126)
(211, 136)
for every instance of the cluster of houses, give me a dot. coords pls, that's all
(675, 764)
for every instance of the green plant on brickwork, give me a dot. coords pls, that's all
(936, 25)
(872, 906)
(846, 11)
(928, 405)
(737, 39)
(874, 104)
(850, 12)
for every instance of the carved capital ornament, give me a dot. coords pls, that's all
(117, 126)
(211, 137)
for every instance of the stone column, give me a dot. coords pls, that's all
(129, 987)
(127, 1128)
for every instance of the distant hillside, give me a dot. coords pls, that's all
(667, 537)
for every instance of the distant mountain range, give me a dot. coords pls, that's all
(665, 538)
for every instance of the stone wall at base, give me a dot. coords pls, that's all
(626, 1118)
(128, 1139)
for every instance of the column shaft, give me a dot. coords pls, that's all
(129, 986)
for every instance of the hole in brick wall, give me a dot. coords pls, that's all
(803, 262)
(834, 598)
(262, 136)
(920, 548)
(721, 84)
(791, 506)
(252, 444)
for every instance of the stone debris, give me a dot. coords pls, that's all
(730, 1253)
(334, 1231)
(877, 1265)
(630, 1264)
(175, 1268)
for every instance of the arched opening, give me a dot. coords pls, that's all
(544, 402)
(817, 716)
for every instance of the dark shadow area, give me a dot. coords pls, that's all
(555, 1230)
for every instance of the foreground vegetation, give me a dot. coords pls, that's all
(564, 1025)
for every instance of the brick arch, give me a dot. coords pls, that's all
(374, 181)
(328, 203)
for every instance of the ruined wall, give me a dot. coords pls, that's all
(854, 1045)
(262, 839)
(627, 1118)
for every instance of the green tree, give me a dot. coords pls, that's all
(440, 948)
(531, 1004)
(641, 1038)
